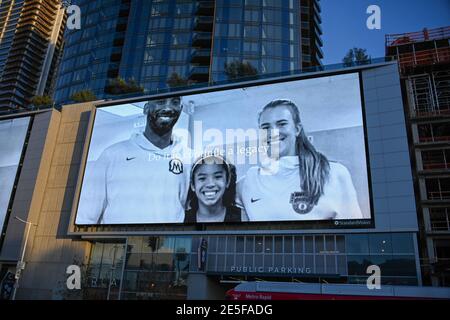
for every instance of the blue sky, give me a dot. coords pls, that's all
(344, 23)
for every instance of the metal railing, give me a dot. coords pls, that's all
(411, 37)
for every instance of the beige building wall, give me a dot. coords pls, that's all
(44, 196)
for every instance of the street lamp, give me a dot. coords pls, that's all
(20, 264)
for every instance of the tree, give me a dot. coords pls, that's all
(175, 80)
(42, 101)
(83, 96)
(356, 56)
(119, 86)
(239, 69)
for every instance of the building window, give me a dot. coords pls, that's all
(436, 159)
(357, 243)
(440, 219)
(380, 243)
(434, 132)
(437, 188)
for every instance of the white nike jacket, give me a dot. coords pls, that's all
(135, 182)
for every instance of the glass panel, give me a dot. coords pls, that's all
(357, 243)
(164, 262)
(298, 244)
(220, 262)
(380, 243)
(298, 261)
(239, 260)
(309, 262)
(402, 243)
(288, 261)
(258, 260)
(320, 264)
(268, 244)
(221, 244)
(259, 244)
(211, 262)
(133, 261)
(268, 260)
(231, 244)
(357, 265)
(288, 244)
(340, 244)
(329, 243)
(230, 261)
(249, 244)
(248, 260)
(212, 244)
(320, 246)
(342, 265)
(309, 244)
(278, 244)
(240, 244)
(330, 261)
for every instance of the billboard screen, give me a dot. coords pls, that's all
(12, 138)
(287, 151)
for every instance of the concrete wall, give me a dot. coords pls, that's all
(44, 197)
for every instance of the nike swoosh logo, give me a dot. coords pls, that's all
(254, 200)
(131, 158)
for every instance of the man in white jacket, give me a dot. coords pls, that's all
(141, 180)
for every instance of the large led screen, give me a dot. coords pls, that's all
(286, 151)
(12, 138)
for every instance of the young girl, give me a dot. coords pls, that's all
(211, 197)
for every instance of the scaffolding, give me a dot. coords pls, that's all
(430, 94)
(424, 64)
(415, 49)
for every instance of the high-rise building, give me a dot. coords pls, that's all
(424, 61)
(150, 41)
(31, 39)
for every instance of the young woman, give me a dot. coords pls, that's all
(298, 182)
(212, 193)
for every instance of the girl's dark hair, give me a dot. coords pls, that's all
(314, 167)
(229, 196)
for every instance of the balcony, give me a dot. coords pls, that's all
(425, 35)
(203, 23)
(202, 39)
(205, 8)
(423, 58)
(201, 56)
(440, 219)
(199, 73)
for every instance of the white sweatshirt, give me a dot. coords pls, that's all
(270, 195)
(135, 182)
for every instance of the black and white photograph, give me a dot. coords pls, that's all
(288, 151)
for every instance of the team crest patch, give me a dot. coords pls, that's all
(176, 166)
(301, 202)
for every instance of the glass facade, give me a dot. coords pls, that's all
(152, 41)
(88, 59)
(159, 267)
(143, 268)
(263, 33)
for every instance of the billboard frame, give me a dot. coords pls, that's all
(282, 227)
(8, 212)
